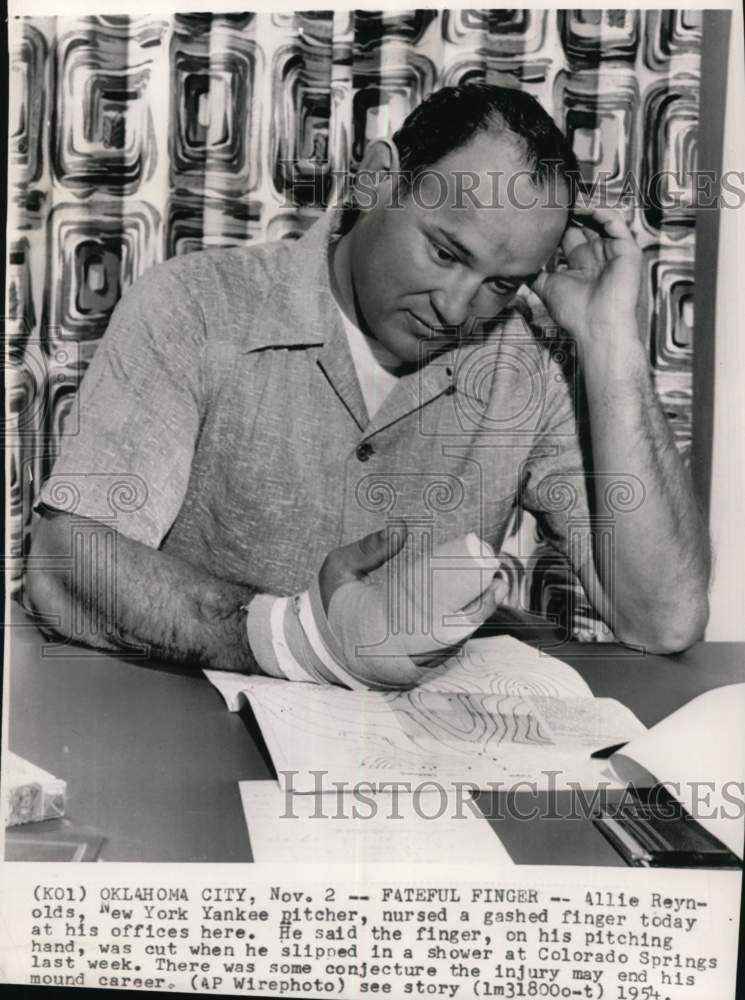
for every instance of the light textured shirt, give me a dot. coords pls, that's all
(375, 367)
(221, 420)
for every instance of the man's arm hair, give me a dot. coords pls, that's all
(659, 564)
(116, 597)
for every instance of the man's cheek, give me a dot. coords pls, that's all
(389, 276)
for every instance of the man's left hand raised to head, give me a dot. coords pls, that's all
(595, 298)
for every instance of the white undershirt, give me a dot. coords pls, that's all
(375, 366)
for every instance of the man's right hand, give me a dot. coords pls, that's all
(354, 561)
(428, 603)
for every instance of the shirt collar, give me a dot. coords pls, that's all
(300, 309)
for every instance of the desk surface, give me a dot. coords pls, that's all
(153, 759)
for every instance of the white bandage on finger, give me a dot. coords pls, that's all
(434, 591)
(278, 642)
(357, 633)
(373, 630)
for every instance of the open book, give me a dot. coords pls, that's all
(498, 714)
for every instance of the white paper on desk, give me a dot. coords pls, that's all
(698, 752)
(489, 719)
(297, 829)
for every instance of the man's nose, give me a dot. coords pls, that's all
(453, 303)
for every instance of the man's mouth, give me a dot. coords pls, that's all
(431, 331)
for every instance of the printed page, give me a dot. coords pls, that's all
(484, 739)
(504, 665)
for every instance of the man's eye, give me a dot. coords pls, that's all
(502, 286)
(441, 254)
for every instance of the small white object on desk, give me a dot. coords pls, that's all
(30, 794)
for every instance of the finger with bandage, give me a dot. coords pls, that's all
(351, 629)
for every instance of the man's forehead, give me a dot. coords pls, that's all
(496, 234)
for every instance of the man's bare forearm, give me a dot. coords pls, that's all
(133, 595)
(650, 583)
(658, 568)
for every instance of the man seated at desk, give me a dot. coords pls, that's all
(270, 411)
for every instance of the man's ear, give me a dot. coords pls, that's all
(377, 174)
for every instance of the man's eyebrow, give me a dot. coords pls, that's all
(518, 279)
(455, 242)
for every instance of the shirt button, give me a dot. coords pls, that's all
(364, 451)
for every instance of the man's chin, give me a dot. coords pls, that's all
(415, 351)
(410, 341)
(412, 352)
(402, 345)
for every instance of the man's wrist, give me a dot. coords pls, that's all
(259, 634)
(279, 642)
(613, 355)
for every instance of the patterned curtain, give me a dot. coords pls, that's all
(135, 139)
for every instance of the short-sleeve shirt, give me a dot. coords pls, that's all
(221, 421)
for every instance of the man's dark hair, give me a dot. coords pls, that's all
(452, 116)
